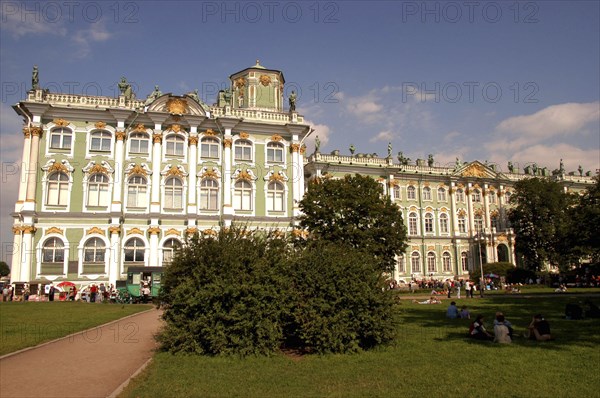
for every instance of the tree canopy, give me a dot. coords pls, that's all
(354, 212)
(4, 269)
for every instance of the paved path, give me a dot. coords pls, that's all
(93, 363)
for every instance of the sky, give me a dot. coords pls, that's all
(493, 81)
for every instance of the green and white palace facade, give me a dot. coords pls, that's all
(113, 182)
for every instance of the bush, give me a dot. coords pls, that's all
(225, 295)
(339, 300)
(520, 275)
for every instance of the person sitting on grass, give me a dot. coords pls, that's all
(432, 300)
(506, 322)
(464, 313)
(501, 330)
(539, 329)
(452, 311)
(477, 330)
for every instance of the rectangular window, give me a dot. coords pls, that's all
(138, 146)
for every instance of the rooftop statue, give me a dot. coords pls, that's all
(352, 149)
(430, 160)
(125, 88)
(389, 149)
(317, 144)
(292, 101)
(153, 96)
(35, 82)
(511, 167)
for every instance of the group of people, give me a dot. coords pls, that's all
(538, 329)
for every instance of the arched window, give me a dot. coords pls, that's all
(464, 261)
(446, 262)
(101, 141)
(444, 223)
(139, 143)
(242, 195)
(243, 150)
(209, 148)
(396, 192)
(53, 251)
(478, 220)
(492, 197)
(412, 224)
(94, 250)
(495, 222)
(462, 224)
(275, 152)
(400, 264)
(58, 189)
(168, 250)
(460, 195)
(428, 223)
(174, 145)
(209, 194)
(61, 138)
(134, 250)
(426, 193)
(441, 194)
(137, 191)
(415, 261)
(476, 196)
(173, 193)
(275, 196)
(431, 262)
(411, 192)
(98, 190)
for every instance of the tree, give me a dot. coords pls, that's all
(354, 212)
(540, 219)
(585, 218)
(4, 269)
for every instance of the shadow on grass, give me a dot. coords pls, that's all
(429, 322)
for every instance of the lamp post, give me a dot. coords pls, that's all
(481, 282)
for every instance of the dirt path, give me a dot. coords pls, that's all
(93, 363)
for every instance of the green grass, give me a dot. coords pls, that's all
(431, 357)
(525, 290)
(26, 324)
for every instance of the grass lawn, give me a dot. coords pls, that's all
(25, 324)
(431, 357)
(525, 290)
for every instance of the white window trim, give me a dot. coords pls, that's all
(236, 162)
(88, 142)
(430, 194)
(56, 208)
(39, 250)
(52, 151)
(285, 149)
(161, 247)
(432, 223)
(201, 160)
(107, 256)
(171, 158)
(448, 225)
(435, 264)
(132, 156)
(133, 209)
(418, 224)
(251, 212)
(199, 196)
(442, 258)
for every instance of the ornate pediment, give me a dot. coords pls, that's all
(52, 165)
(174, 170)
(140, 169)
(178, 106)
(209, 172)
(477, 170)
(102, 168)
(240, 174)
(54, 230)
(95, 230)
(276, 176)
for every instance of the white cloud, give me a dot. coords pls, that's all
(361, 105)
(19, 23)
(383, 136)
(322, 131)
(84, 38)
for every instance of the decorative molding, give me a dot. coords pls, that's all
(494, 214)
(302, 149)
(173, 231)
(114, 230)
(431, 248)
(276, 137)
(54, 230)
(141, 169)
(300, 233)
(429, 208)
(276, 176)
(265, 80)
(102, 168)
(227, 143)
(415, 248)
(212, 172)
(244, 135)
(474, 170)
(502, 238)
(120, 135)
(157, 138)
(393, 183)
(413, 208)
(100, 125)
(29, 229)
(295, 148)
(240, 82)
(462, 212)
(60, 122)
(175, 127)
(193, 140)
(412, 183)
(26, 132)
(95, 230)
(135, 231)
(52, 165)
(446, 248)
(36, 131)
(17, 230)
(173, 170)
(240, 174)
(478, 212)
(153, 230)
(426, 184)
(191, 230)
(177, 106)
(210, 232)
(140, 128)
(210, 132)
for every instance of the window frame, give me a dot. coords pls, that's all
(273, 148)
(275, 197)
(244, 145)
(62, 186)
(208, 193)
(211, 143)
(241, 194)
(172, 192)
(103, 136)
(64, 132)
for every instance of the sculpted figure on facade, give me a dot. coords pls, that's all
(153, 96)
(292, 101)
(35, 81)
(125, 88)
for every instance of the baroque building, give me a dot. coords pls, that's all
(110, 183)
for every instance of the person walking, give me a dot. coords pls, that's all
(468, 289)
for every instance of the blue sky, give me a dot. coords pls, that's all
(492, 81)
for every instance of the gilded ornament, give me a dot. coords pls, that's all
(58, 167)
(26, 132)
(415, 247)
(136, 231)
(244, 175)
(174, 171)
(177, 106)
(462, 212)
(114, 230)
(413, 208)
(478, 212)
(295, 147)
(244, 135)
(60, 122)
(36, 131)
(276, 137)
(210, 132)
(97, 168)
(227, 143)
(154, 230)
(193, 141)
(156, 138)
(54, 230)
(191, 230)
(100, 125)
(502, 238)
(176, 128)
(276, 177)
(120, 135)
(140, 128)
(412, 183)
(430, 248)
(302, 149)
(240, 82)
(494, 214)
(210, 232)
(29, 229)
(265, 80)
(17, 230)
(209, 174)
(95, 230)
(429, 209)
(446, 248)
(474, 170)
(137, 169)
(172, 231)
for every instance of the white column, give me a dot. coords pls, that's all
(227, 205)
(193, 161)
(154, 231)
(470, 209)
(297, 176)
(453, 210)
(27, 256)
(36, 133)
(117, 204)
(156, 163)
(114, 269)
(24, 168)
(486, 206)
(15, 269)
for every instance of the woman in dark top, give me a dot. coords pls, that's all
(539, 329)
(477, 330)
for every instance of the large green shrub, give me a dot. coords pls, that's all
(225, 295)
(339, 300)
